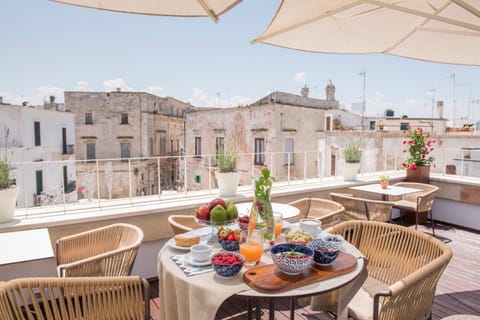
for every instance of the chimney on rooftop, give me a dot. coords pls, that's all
(119, 89)
(1, 100)
(440, 109)
(304, 92)
(52, 99)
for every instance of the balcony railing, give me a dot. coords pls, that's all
(117, 181)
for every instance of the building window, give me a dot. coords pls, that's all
(163, 145)
(64, 141)
(125, 150)
(91, 151)
(289, 151)
(171, 145)
(259, 151)
(219, 147)
(36, 125)
(39, 182)
(65, 178)
(124, 118)
(198, 146)
(88, 118)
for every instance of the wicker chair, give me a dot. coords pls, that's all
(182, 223)
(418, 202)
(75, 298)
(107, 251)
(327, 211)
(357, 208)
(404, 266)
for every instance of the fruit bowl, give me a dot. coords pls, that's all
(298, 237)
(290, 258)
(229, 245)
(227, 264)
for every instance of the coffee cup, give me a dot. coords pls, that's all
(312, 226)
(201, 252)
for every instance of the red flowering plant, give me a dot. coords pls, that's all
(419, 145)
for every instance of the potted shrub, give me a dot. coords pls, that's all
(227, 175)
(418, 144)
(352, 155)
(384, 181)
(8, 191)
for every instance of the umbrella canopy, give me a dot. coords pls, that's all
(446, 31)
(185, 8)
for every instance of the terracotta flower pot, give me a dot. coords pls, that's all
(384, 184)
(419, 174)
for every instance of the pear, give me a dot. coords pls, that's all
(218, 215)
(232, 211)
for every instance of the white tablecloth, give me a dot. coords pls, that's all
(199, 296)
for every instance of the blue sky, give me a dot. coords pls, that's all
(49, 47)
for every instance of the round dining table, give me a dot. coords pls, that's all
(286, 210)
(196, 292)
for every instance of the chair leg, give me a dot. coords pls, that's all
(433, 222)
(416, 220)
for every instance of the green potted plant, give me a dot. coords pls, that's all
(352, 155)
(384, 181)
(227, 175)
(8, 191)
(418, 144)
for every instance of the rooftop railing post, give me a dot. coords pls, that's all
(185, 172)
(130, 180)
(24, 193)
(97, 168)
(63, 189)
(210, 168)
(288, 167)
(305, 166)
(462, 162)
(159, 179)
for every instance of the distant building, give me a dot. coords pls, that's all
(130, 126)
(36, 137)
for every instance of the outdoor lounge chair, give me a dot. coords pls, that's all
(418, 202)
(404, 266)
(182, 223)
(75, 298)
(327, 211)
(357, 208)
(107, 251)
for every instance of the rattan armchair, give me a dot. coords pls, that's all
(404, 266)
(182, 223)
(107, 251)
(75, 298)
(357, 208)
(327, 211)
(418, 202)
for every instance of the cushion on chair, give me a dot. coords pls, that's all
(361, 303)
(405, 205)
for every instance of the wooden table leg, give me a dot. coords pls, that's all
(292, 309)
(271, 310)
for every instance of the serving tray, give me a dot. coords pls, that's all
(269, 278)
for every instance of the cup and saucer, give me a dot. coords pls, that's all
(199, 255)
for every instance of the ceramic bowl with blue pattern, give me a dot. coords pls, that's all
(326, 249)
(229, 245)
(291, 258)
(227, 264)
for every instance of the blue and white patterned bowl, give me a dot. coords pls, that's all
(228, 270)
(229, 245)
(288, 264)
(326, 249)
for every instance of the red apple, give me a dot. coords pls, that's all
(217, 201)
(203, 212)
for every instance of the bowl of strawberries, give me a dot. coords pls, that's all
(229, 239)
(227, 264)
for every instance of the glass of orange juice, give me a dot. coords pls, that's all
(251, 246)
(278, 218)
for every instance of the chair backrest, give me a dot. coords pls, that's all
(354, 207)
(303, 205)
(182, 223)
(75, 298)
(327, 211)
(106, 251)
(424, 198)
(408, 261)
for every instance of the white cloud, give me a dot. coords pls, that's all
(42, 94)
(155, 90)
(201, 99)
(300, 77)
(114, 84)
(82, 85)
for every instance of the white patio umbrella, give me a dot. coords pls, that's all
(181, 8)
(446, 31)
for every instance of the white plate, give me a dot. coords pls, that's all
(172, 244)
(189, 259)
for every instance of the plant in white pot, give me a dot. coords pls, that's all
(352, 155)
(8, 191)
(227, 175)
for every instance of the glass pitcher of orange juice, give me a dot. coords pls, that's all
(251, 246)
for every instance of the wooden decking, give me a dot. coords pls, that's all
(458, 291)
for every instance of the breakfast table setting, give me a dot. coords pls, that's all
(191, 289)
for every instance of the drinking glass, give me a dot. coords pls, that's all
(278, 218)
(251, 247)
